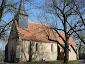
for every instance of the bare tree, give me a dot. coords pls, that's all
(64, 11)
(6, 7)
(81, 46)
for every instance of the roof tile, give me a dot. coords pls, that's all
(37, 32)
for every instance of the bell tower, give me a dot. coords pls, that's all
(21, 16)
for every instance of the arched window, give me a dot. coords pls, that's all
(36, 46)
(52, 47)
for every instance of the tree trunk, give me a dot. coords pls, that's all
(30, 53)
(66, 51)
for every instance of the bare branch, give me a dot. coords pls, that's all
(76, 34)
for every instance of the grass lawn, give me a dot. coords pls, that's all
(47, 62)
(54, 62)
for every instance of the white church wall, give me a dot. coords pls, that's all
(43, 51)
(72, 54)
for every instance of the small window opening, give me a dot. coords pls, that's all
(37, 47)
(52, 47)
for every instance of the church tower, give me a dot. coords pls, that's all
(21, 16)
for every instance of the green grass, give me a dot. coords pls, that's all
(47, 62)
(79, 60)
(53, 62)
(1, 58)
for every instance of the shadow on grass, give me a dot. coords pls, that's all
(54, 62)
(47, 62)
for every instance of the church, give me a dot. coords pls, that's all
(28, 42)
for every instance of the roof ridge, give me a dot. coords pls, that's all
(37, 23)
(35, 29)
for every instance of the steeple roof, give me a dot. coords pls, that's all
(22, 16)
(21, 8)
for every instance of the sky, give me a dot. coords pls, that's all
(30, 8)
(33, 12)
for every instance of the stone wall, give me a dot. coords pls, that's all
(12, 41)
(44, 50)
(10, 51)
(35, 51)
(24, 55)
(72, 54)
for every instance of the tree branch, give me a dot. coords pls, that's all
(76, 33)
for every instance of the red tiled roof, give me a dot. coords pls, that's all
(37, 32)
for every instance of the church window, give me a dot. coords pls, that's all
(52, 47)
(36, 46)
